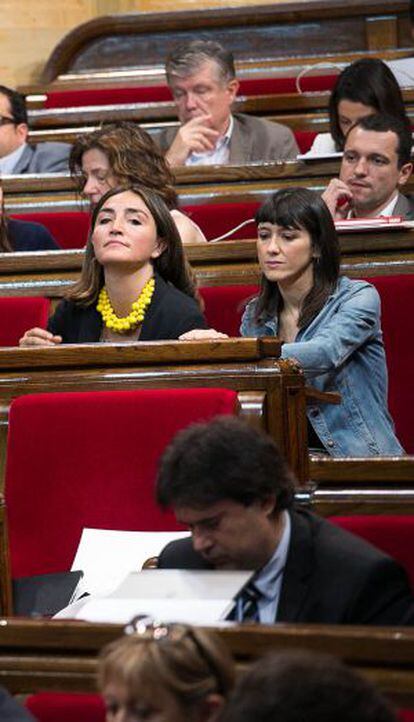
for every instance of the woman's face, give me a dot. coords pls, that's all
(350, 112)
(121, 707)
(285, 255)
(125, 232)
(98, 175)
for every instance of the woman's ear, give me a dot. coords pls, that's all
(211, 707)
(159, 248)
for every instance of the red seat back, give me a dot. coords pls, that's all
(19, 314)
(397, 320)
(304, 139)
(69, 229)
(224, 306)
(218, 218)
(64, 707)
(161, 93)
(79, 460)
(394, 535)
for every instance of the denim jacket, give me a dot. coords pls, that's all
(342, 350)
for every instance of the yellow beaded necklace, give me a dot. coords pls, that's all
(123, 325)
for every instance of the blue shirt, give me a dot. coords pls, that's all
(342, 350)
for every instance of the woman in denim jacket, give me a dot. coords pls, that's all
(329, 324)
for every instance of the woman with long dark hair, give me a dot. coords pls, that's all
(366, 87)
(329, 324)
(135, 283)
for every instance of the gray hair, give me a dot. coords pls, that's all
(187, 58)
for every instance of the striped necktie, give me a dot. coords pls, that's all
(249, 607)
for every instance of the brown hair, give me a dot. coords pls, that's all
(133, 156)
(171, 264)
(187, 663)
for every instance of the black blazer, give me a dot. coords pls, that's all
(331, 576)
(28, 236)
(170, 314)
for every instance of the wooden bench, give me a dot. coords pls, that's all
(57, 655)
(252, 33)
(364, 254)
(271, 391)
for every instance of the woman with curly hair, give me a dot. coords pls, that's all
(123, 154)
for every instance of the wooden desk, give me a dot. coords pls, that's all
(271, 391)
(364, 254)
(57, 655)
(252, 33)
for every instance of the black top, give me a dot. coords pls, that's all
(28, 236)
(170, 314)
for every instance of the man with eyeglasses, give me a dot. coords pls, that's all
(228, 484)
(17, 156)
(376, 163)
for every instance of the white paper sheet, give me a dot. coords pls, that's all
(121, 611)
(107, 556)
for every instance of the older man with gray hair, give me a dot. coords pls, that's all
(202, 79)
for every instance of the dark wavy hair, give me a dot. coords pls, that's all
(223, 459)
(303, 209)
(368, 81)
(134, 159)
(171, 264)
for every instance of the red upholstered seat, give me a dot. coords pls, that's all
(69, 229)
(218, 218)
(394, 535)
(397, 318)
(19, 314)
(224, 306)
(304, 139)
(89, 459)
(160, 93)
(63, 707)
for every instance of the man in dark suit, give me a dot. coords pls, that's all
(17, 156)
(376, 164)
(203, 83)
(228, 483)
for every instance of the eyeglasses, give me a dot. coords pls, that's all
(4, 119)
(145, 627)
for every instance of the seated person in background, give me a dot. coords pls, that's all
(375, 164)
(172, 673)
(329, 324)
(135, 283)
(365, 87)
(11, 710)
(123, 154)
(16, 154)
(201, 77)
(23, 235)
(228, 483)
(299, 686)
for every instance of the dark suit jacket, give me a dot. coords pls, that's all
(331, 576)
(253, 140)
(44, 158)
(28, 236)
(170, 314)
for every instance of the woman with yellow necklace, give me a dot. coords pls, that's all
(135, 283)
